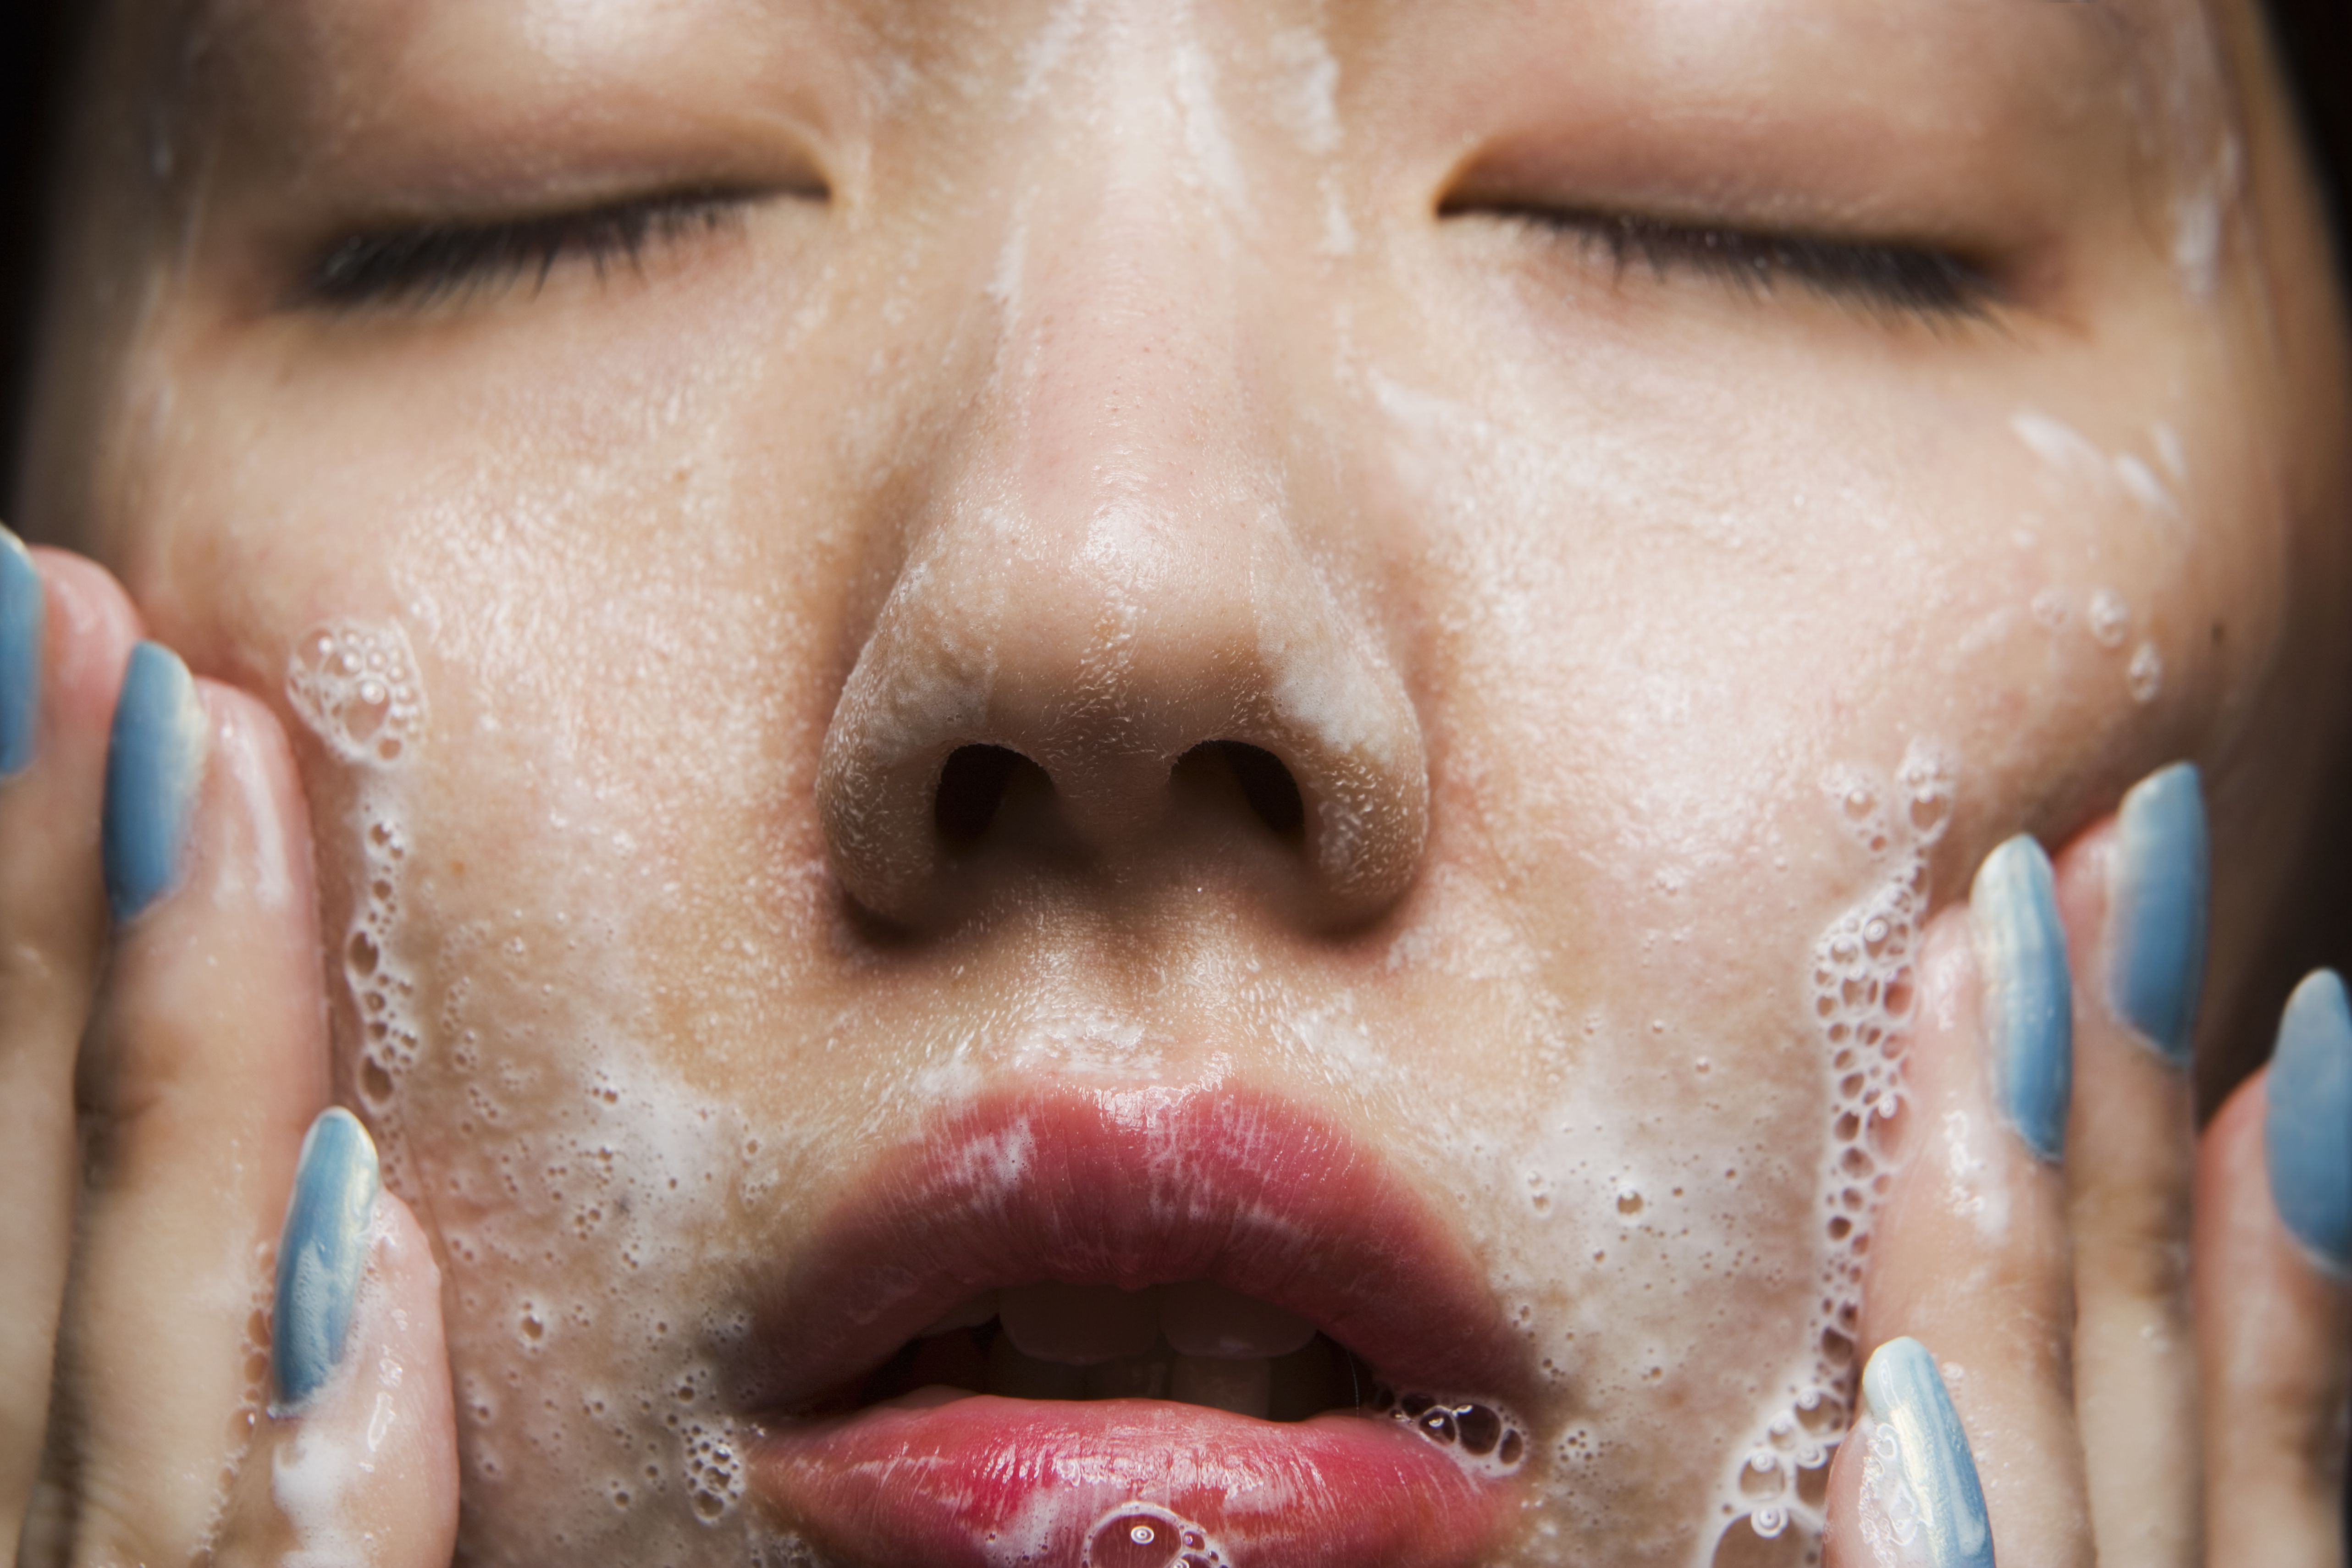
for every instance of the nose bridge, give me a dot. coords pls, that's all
(1097, 555)
(1108, 571)
(1119, 433)
(1120, 417)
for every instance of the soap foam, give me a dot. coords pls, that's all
(1865, 997)
(1143, 1535)
(623, 1166)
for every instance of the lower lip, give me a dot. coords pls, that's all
(989, 1482)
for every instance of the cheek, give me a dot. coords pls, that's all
(1674, 594)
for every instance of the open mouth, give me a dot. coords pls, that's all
(1188, 1328)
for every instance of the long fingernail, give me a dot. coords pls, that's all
(1921, 1500)
(2307, 1125)
(320, 1256)
(2157, 953)
(2029, 1004)
(154, 761)
(23, 608)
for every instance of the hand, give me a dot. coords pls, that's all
(2040, 1386)
(160, 1401)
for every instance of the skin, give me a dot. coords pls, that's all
(1097, 383)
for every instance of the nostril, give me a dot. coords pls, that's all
(972, 786)
(1265, 780)
(1266, 783)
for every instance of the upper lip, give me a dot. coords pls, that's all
(1132, 1187)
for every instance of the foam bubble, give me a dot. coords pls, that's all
(1864, 995)
(354, 684)
(621, 1165)
(2109, 619)
(1144, 1535)
(1479, 1435)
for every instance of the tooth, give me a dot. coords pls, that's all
(1204, 1320)
(968, 1315)
(1079, 1325)
(1243, 1388)
(1017, 1376)
(1130, 1377)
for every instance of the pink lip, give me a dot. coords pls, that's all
(1130, 1188)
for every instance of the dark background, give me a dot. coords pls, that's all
(31, 71)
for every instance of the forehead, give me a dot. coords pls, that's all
(2158, 36)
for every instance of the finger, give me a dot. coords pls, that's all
(65, 631)
(1904, 1490)
(2273, 1252)
(2132, 891)
(358, 1461)
(204, 1065)
(1971, 1255)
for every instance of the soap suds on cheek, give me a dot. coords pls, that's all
(580, 1193)
(2092, 484)
(2189, 116)
(2074, 458)
(1738, 1150)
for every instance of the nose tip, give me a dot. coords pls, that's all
(1109, 653)
(1058, 728)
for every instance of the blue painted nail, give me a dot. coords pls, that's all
(2156, 954)
(2308, 1126)
(320, 1256)
(1920, 1486)
(2028, 1002)
(154, 761)
(22, 611)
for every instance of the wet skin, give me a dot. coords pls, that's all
(1365, 386)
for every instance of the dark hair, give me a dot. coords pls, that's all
(37, 39)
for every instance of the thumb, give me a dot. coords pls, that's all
(357, 1462)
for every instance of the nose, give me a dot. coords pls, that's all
(1112, 648)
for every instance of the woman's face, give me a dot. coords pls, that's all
(1524, 547)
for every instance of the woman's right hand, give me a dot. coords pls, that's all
(163, 1053)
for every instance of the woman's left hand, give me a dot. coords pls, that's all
(2057, 1375)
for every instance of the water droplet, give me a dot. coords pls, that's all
(2110, 618)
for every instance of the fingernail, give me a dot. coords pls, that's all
(23, 608)
(2307, 1125)
(320, 1256)
(2029, 1005)
(154, 761)
(1920, 1495)
(2157, 953)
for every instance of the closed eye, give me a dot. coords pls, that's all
(1898, 277)
(420, 264)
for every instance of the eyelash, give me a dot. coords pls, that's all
(1903, 278)
(427, 263)
(421, 265)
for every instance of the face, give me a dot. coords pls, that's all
(1319, 660)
